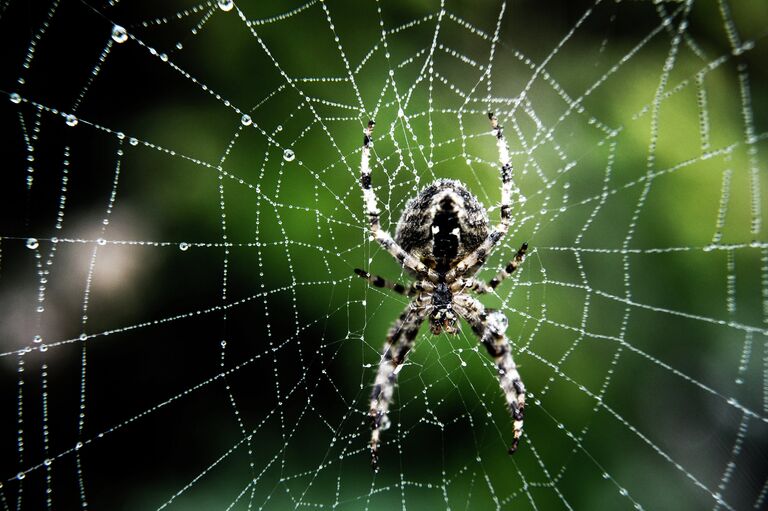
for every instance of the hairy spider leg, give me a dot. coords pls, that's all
(480, 287)
(506, 169)
(490, 327)
(471, 284)
(379, 281)
(479, 255)
(383, 237)
(399, 342)
(510, 268)
(412, 290)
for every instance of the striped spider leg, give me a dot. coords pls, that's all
(478, 256)
(400, 340)
(384, 239)
(490, 327)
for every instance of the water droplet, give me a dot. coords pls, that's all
(246, 120)
(101, 241)
(15, 98)
(119, 35)
(32, 243)
(469, 161)
(37, 338)
(289, 155)
(47, 462)
(71, 120)
(279, 127)
(133, 141)
(20, 476)
(400, 113)
(43, 348)
(78, 446)
(83, 337)
(183, 246)
(226, 5)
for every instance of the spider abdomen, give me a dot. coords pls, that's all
(442, 224)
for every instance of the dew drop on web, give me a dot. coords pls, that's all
(119, 35)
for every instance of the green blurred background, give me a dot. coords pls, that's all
(229, 350)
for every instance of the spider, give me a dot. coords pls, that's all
(443, 238)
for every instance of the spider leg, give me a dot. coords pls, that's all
(490, 327)
(399, 342)
(506, 169)
(481, 287)
(510, 268)
(412, 290)
(378, 281)
(472, 284)
(479, 255)
(380, 235)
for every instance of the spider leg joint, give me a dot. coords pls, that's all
(497, 323)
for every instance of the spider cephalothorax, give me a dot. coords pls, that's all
(443, 238)
(442, 317)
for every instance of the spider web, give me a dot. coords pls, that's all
(181, 326)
